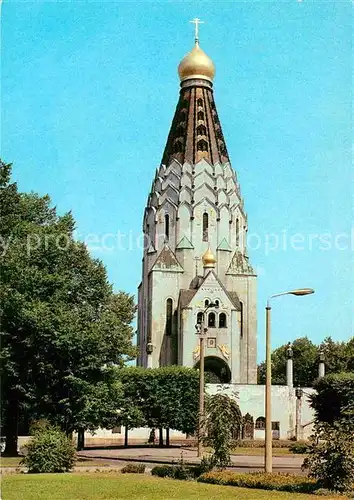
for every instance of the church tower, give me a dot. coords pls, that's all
(195, 252)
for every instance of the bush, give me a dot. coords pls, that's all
(261, 480)
(260, 443)
(180, 471)
(300, 448)
(163, 471)
(50, 450)
(133, 469)
(331, 457)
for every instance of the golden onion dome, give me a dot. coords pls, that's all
(196, 64)
(208, 259)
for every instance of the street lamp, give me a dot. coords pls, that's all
(201, 331)
(268, 403)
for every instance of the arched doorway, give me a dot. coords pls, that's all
(216, 370)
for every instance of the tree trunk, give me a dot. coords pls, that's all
(167, 437)
(11, 427)
(126, 430)
(160, 437)
(80, 439)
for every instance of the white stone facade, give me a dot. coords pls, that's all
(191, 208)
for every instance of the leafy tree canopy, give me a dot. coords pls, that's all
(61, 324)
(339, 356)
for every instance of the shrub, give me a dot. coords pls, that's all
(222, 419)
(179, 471)
(300, 448)
(331, 456)
(261, 480)
(50, 450)
(133, 469)
(260, 443)
(206, 465)
(162, 471)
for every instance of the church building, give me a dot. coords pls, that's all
(195, 263)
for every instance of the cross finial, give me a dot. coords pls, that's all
(197, 22)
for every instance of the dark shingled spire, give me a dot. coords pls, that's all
(195, 131)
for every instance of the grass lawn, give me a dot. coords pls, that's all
(260, 451)
(81, 462)
(114, 486)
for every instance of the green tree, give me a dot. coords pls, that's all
(331, 453)
(334, 399)
(305, 356)
(167, 397)
(223, 419)
(60, 320)
(338, 355)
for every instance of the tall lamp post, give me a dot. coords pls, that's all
(201, 331)
(268, 458)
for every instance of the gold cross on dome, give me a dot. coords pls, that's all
(197, 22)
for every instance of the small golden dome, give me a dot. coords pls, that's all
(196, 64)
(208, 259)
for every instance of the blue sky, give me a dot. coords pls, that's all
(88, 94)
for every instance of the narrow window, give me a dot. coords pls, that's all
(260, 423)
(205, 226)
(217, 303)
(202, 145)
(206, 303)
(169, 316)
(201, 130)
(199, 317)
(200, 115)
(200, 102)
(167, 226)
(211, 320)
(241, 322)
(237, 232)
(222, 320)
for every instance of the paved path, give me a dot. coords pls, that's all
(287, 463)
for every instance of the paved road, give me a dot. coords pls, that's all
(152, 456)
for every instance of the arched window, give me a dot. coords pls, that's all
(237, 232)
(169, 306)
(241, 323)
(200, 115)
(199, 317)
(167, 226)
(211, 320)
(216, 302)
(184, 103)
(260, 423)
(222, 320)
(206, 303)
(202, 145)
(205, 226)
(201, 130)
(200, 102)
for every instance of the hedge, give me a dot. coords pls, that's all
(261, 480)
(133, 469)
